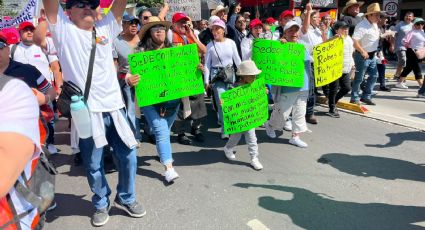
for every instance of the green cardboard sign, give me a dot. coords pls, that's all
(245, 107)
(282, 64)
(166, 74)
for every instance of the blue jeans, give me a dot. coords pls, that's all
(220, 87)
(126, 162)
(128, 94)
(363, 66)
(381, 75)
(161, 127)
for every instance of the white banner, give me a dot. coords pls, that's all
(19, 11)
(190, 7)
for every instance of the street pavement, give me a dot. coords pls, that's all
(357, 173)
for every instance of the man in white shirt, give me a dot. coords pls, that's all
(27, 52)
(73, 36)
(401, 29)
(366, 41)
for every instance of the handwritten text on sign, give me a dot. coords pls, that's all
(190, 7)
(328, 61)
(245, 107)
(282, 64)
(166, 74)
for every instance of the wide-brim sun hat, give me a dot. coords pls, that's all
(247, 68)
(218, 9)
(351, 3)
(373, 9)
(153, 21)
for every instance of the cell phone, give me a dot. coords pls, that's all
(303, 4)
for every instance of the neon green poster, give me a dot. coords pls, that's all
(328, 61)
(166, 74)
(282, 64)
(244, 107)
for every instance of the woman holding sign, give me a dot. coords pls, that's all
(160, 116)
(221, 56)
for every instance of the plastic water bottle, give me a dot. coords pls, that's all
(81, 117)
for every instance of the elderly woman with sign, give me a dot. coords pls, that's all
(256, 28)
(221, 56)
(160, 116)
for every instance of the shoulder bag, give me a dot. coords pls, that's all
(225, 73)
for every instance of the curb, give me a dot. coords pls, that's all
(344, 105)
(390, 76)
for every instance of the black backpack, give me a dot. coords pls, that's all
(39, 190)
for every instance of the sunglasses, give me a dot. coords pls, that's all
(82, 5)
(133, 22)
(157, 29)
(2, 44)
(241, 21)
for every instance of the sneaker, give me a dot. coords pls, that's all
(52, 206)
(367, 101)
(255, 163)
(333, 113)
(298, 142)
(420, 95)
(288, 125)
(171, 175)
(52, 149)
(385, 89)
(229, 153)
(401, 85)
(198, 135)
(182, 139)
(355, 102)
(224, 136)
(78, 160)
(134, 209)
(269, 130)
(101, 216)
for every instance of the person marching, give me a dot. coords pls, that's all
(247, 72)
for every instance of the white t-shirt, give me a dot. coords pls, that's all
(417, 39)
(35, 56)
(227, 52)
(310, 39)
(74, 45)
(367, 35)
(401, 30)
(19, 113)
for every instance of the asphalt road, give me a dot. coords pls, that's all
(357, 173)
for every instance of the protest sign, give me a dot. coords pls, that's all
(328, 61)
(190, 7)
(19, 11)
(244, 107)
(282, 64)
(166, 74)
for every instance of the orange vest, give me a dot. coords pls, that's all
(179, 41)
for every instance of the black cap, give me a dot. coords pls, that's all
(340, 24)
(70, 3)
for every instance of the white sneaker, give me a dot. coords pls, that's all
(298, 142)
(256, 164)
(229, 153)
(224, 136)
(401, 85)
(52, 149)
(171, 175)
(269, 130)
(288, 125)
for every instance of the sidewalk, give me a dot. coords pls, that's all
(400, 106)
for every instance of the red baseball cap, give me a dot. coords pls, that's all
(3, 37)
(254, 23)
(286, 13)
(179, 16)
(270, 20)
(24, 25)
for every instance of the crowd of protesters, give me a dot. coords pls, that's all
(59, 50)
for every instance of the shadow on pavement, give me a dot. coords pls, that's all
(311, 210)
(205, 157)
(398, 139)
(420, 115)
(70, 205)
(381, 167)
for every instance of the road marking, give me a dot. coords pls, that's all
(257, 225)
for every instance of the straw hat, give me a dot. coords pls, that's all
(218, 9)
(351, 3)
(153, 21)
(247, 67)
(373, 9)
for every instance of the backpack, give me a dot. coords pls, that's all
(40, 188)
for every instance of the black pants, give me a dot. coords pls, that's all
(381, 75)
(344, 85)
(412, 63)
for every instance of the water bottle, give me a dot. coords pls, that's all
(81, 117)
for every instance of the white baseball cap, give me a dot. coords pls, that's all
(291, 24)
